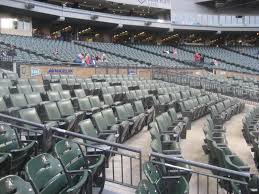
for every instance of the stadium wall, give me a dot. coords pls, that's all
(36, 71)
(220, 72)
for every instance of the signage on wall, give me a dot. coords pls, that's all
(60, 71)
(35, 72)
(163, 4)
(132, 72)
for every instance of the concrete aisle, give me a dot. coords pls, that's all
(141, 141)
(192, 150)
(236, 141)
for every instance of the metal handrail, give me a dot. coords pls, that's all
(200, 165)
(70, 133)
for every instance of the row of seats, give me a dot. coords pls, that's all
(166, 132)
(250, 127)
(224, 110)
(67, 170)
(216, 146)
(241, 88)
(242, 63)
(186, 55)
(72, 110)
(199, 106)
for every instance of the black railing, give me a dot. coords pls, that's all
(128, 173)
(203, 181)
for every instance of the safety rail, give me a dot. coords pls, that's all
(215, 177)
(128, 160)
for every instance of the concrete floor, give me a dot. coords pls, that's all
(192, 150)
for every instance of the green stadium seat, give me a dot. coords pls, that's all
(15, 184)
(47, 175)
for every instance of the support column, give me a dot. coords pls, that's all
(107, 37)
(14, 67)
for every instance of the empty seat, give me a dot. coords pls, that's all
(66, 110)
(108, 100)
(95, 102)
(80, 93)
(173, 185)
(125, 122)
(149, 113)
(19, 150)
(25, 89)
(53, 96)
(65, 94)
(73, 158)
(56, 87)
(102, 125)
(38, 88)
(15, 184)
(87, 128)
(47, 175)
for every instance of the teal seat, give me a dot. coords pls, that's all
(48, 176)
(172, 185)
(16, 185)
(20, 151)
(146, 187)
(73, 158)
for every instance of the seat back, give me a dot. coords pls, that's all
(38, 88)
(154, 177)
(154, 132)
(3, 107)
(29, 114)
(109, 116)
(65, 108)
(121, 113)
(80, 93)
(33, 82)
(15, 184)
(71, 156)
(145, 187)
(23, 82)
(53, 96)
(167, 119)
(8, 139)
(4, 91)
(17, 100)
(56, 87)
(65, 94)
(84, 104)
(108, 99)
(33, 98)
(5, 82)
(51, 111)
(162, 125)
(87, 128)
(129, 110)
(46, 174)
(99, 121)
(25, 89)
(172, 114)
(95, 101)
(138, 105)
(55, 77)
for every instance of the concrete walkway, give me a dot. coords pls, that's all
(192, 150)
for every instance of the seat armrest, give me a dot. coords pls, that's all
(51, 124)
(109, 131)
(172, 152)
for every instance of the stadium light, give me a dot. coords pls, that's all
(160, 21)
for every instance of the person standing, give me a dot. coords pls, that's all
(88, 59)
